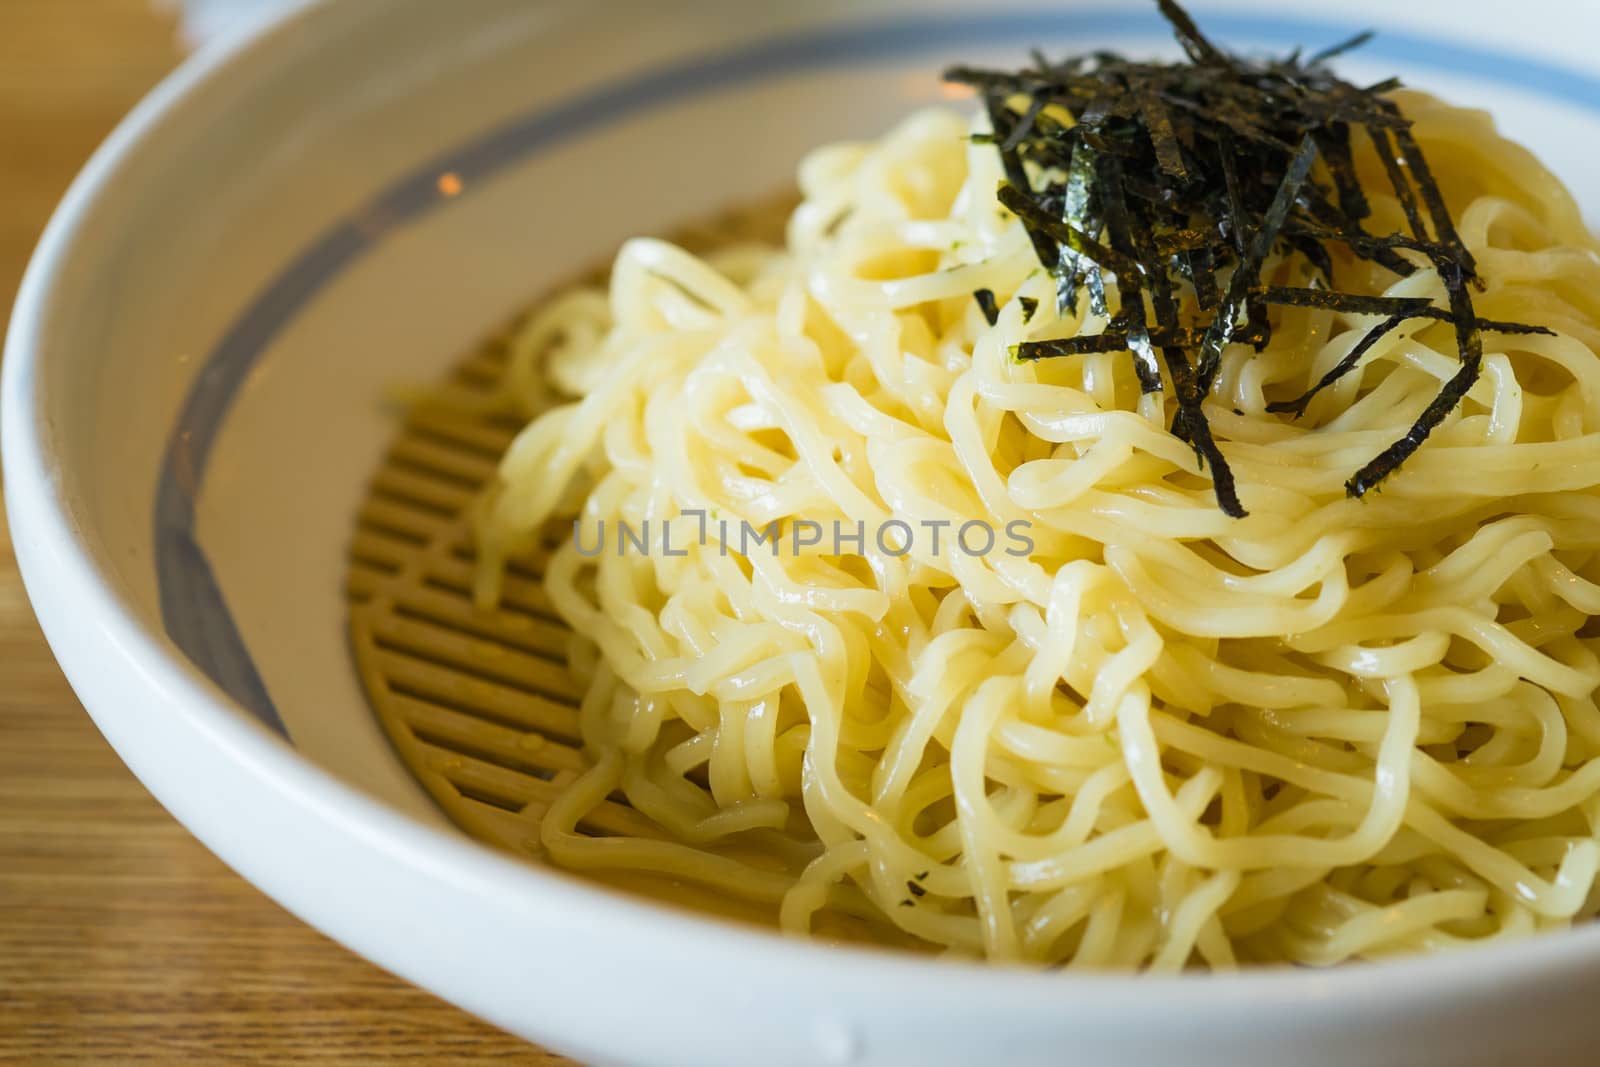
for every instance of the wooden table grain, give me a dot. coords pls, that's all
(122, 940)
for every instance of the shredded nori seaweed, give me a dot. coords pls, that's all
(1194, 175)
(986, 304)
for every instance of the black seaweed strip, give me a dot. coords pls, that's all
(1140, 345)
(1001, 122)
(1354, 115)
(1075, 212)
(1114, 340)
(1047, 156)
(1380, 250)
(1229, 116)
(1156, 195)
(1260, 331)
(1194, 42)
(1516, 329)
(1024, 127)
(1162, 300)
(1029, 306)
(1189, 424)
(1126, 105)
(1095, 282)
(986, 304)
(1256, 334)
(1470, 342)
(1328, 223)
(1071, 346)
(999, 116)
(1344, 366)
(1341, 48)
(1169, 154)
(1184, 240)
(1120, 232)
(1339, 104)
(1443, 226)
(1033, 217)
(1365, 243)
(1388, 154)
(1424, 311)
(1204, 279)
(1066, 289)
(1095, 111)
(1235, 193)
(1244, 275)
(1330, 300)
(1108, 145)
(1337, 155)
(990, 80)
(1352, 358)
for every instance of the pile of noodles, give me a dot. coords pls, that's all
(1161, 738)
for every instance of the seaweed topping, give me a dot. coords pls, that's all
(1156, 189)
(986, 304)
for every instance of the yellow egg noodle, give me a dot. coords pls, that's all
(1131, 732)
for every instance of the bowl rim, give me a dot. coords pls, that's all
(53, 556)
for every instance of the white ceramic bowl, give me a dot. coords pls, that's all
(191, 408)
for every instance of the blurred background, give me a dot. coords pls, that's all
(122, 940)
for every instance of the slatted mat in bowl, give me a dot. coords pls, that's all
(478, 703)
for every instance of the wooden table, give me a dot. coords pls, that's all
(122, 940)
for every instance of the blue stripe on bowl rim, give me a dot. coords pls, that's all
(194, 609)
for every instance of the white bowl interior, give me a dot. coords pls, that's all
(312, 167)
